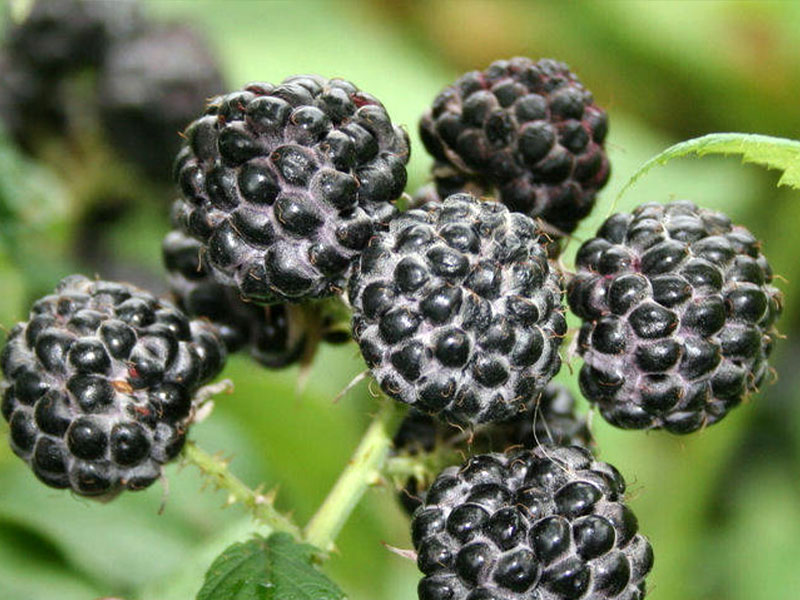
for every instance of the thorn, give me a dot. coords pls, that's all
(220, 461)
(202, 412)
(407, 554)
(371, 389)
(773, 373)
(303, 377)
(375, 479)
(270, 496)
(311, 324)
(207, 392)
(164, 494)
(590, 417)
(353, 382)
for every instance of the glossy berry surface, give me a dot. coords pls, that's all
(548, 523)
(99, 384)
(678, 312)
(549, 420)
(528, 131)
(273, 335)
(285, 185)
(457, 310)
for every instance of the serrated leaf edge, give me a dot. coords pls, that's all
(749, 145)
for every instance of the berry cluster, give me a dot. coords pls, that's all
(287, 198)
(457, 310)
(99, 384)
(55, 41)
(678, 317)
(529, 131)
(286, 184)
(150, 87)
(544, 523)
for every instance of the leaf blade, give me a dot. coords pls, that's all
(270, 568)
(768, 151)
(228, 577)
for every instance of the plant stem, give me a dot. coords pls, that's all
(363, 470)
(420, 466)
(261, 505)
(423, 466)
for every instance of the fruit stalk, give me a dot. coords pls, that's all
(261, 505)
(362, 470)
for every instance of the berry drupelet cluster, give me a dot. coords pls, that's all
(678, 312)
(548, 523)
(457, 310)
(285, 185)
(527, 131)
(99, 384)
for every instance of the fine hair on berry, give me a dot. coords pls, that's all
(458, 311)
(678, 312)
(285, 184)
(99, 385)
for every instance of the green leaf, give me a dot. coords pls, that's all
(768, 151)
(273, 568)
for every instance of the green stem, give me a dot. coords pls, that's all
(423, 466)
(261, 505)
(363, 470)
(403, 467)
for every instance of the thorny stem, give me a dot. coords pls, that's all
(363, 469)
(261, 505)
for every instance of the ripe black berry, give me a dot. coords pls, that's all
(678, 317)
(59, 36)
(150, 87)
(284, 185)
(56, 40)
(457, 310)
(547, 523)
(99, 383)
(529, 131)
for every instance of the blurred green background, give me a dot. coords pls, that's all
(721, 508)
